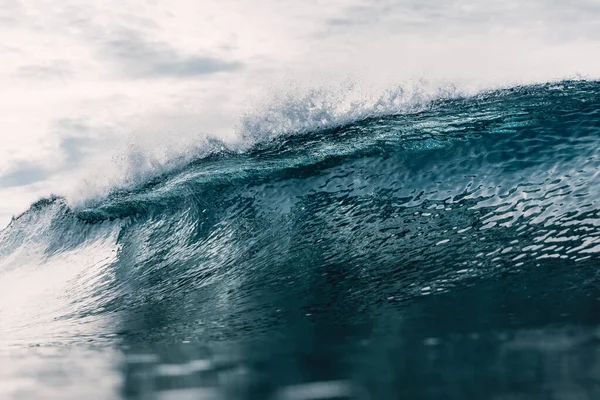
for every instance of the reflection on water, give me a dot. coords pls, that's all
(508, 339)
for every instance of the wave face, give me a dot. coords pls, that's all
(361, 259)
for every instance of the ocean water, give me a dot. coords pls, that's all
(449, 250)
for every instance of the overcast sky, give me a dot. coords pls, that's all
(94, 92)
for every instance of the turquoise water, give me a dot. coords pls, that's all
(446, 252)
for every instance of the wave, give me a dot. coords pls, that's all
(376, 208)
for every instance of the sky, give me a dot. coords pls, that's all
(101, 94)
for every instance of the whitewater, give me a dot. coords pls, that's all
(420, 246)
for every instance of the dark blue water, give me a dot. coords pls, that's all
(447, 253)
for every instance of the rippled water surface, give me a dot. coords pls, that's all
(447, 252)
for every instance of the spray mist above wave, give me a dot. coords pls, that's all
(299, 111)
(294, 111)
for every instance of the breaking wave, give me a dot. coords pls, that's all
(336, 218)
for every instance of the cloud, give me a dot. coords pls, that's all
(138, 57)
(24, 173)
(75, 140)
(11, 12)
(56, 70)
(559, 21)
(74, 143)
(75, 148)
